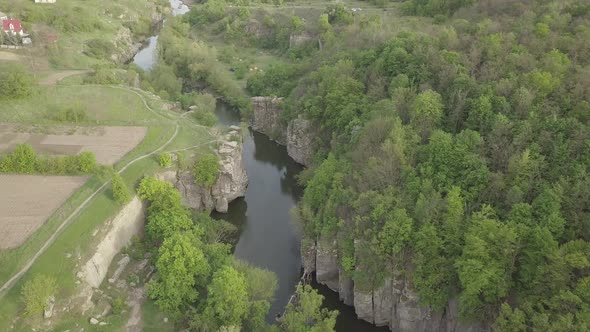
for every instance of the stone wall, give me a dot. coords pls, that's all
(297, 135)
(394, 304)
(231, 182)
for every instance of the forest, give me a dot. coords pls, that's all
(458, 154)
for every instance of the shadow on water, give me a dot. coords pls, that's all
(268, 236)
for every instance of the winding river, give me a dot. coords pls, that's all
(269, 237)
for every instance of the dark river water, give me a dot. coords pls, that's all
(269, 237)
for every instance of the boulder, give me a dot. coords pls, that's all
(49, 305)
(93, 321)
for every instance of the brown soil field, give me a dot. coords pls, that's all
(108, 144)
(28, 201)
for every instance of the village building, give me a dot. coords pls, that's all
(12, 27)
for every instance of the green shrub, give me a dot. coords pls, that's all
(118, 305)
(206, 170)
(35, 293)
(119, 189)
(15, 82)
(99, 48)
(73, 114)
(24, 160)
(165, 160)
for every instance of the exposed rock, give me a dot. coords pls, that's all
(231, 182)
(327, 264)
(346, 286)
(127, 223)
(48, 310)
(102, 323)
(267, 118)
(308, 256)
(121, 266)
(297, 135)
(297, 39)
(300, 141)
(393, 304)
(93, 321)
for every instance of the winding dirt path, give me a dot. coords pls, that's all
(8, 284)
(67, 221)
(52, 79)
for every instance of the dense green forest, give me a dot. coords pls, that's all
(458, 153)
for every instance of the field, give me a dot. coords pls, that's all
(108, 144)
(28, 200)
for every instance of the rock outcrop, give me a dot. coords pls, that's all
(267, 118)
(231, 182)
(121, 229)
(394, 304)
(297, 135)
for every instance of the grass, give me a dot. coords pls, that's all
(103, 105)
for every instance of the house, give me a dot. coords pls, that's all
(45, 1)
(12, 27)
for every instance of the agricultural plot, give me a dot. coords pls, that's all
(108, 144)
(28, 200)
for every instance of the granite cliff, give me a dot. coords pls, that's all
(394, 304)
(297, 135)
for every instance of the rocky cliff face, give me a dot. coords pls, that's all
(231, 182)
(394, 304)
(297, 135)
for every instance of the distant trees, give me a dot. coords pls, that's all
(15, 81)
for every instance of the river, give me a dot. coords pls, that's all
(269, 238)
(146, 57)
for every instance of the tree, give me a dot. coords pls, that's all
(181, 265)
(87, 162)
(36, 292)
(119, 189)
(427, 112)
(22, 160)
(162, 224)
(15, 82)
(485, 268)
(150, 188)
(305, 313)
(165, 159)
(206, 170)
(227, 300)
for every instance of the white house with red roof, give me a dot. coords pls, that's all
(12, 27)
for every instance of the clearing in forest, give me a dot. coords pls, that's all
(28, 200)
(108, 144)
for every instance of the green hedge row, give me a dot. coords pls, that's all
(24, 160)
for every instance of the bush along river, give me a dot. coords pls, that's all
(269, 237)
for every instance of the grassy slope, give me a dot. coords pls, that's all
(117, 107)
